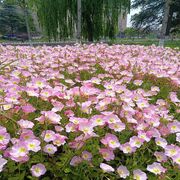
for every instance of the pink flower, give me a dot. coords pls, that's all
(28, 108)
(37, 83)
(19, 152)
(98, 120)
(176, 159)
(95, 80)
(136, 141)
(76, 144)
(178, 137)
(69, 113)
(138, 82)
(174, 98)
(2, 163)
(26, 135)
(161, 157)
(52, 117)
(164, 130)
(142, 104)
(4, 138)
(77, 120)
(32, 92)
(38, 170)
(12, 98)
(106, 167)
(46, 93)
(172, 150)
(75, 160)
(70, 127)
(58, 106)
(117, 127)
(59, 140)
(111, 119)
(2, 129)
(7, 106)
(25, 124)
(48, 135)
(33, 145)
(86, 155)
(161, 102)
(156, 168)
(127, 148)
(123, 172)
(59, 128)
(139, 175)
(155, 88)
(144, 135)
(50, 149)
(161, 142)
(107, 154)
(174, 127)
(111, 141)
(85, 107)
(86, 127)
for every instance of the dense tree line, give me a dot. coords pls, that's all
(152, 13)
(99, 18)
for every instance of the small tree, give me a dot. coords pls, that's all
(131, 32)
(11, 20)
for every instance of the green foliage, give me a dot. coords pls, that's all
(11, 20)
(130, 32)
(146, 42)
(99, 18)
(150, 15)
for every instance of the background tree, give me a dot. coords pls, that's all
(24, 5)
(151, 14)
(165, 21)
(131, 32)
(99, 18)
(11, 20)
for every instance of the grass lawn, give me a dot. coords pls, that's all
(146, 42)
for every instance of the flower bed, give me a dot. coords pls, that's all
(89, 112)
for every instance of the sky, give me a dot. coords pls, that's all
(132, 12)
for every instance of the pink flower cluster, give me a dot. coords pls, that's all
(57, 105)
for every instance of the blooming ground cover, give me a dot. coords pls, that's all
(89, 112)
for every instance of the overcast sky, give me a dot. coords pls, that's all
(132, 12)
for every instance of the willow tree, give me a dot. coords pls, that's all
(99, 17)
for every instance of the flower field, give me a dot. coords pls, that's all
(89, 112)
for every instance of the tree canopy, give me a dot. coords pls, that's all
(11, 20)
(151, 14)
(99, 18)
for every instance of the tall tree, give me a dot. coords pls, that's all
(23, 4)
(151, 14)
(79, 20)
(165, 22)
(99, 18)
(11, 20)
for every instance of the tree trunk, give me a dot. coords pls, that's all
(36, 22)
(25, 10)
(164, 22)
(169, 24)
(90, 29)
(79, 21)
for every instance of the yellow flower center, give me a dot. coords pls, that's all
(156, 170)
(37, 170)
(1, 138)
(112, 142)
(22, 150)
